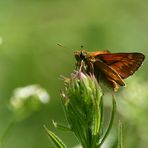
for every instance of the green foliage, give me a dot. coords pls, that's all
(56, 140)
(83, 104)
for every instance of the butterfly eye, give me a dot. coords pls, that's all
(83, 55)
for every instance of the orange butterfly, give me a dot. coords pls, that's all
(112, 67)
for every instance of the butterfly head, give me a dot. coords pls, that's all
(81, 55)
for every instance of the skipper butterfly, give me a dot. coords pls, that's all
(112, 67)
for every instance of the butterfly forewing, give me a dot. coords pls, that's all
(125, 64)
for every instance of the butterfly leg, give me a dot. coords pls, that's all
(90, 68)
(114, 84)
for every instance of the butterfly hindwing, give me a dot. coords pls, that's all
(108, 72)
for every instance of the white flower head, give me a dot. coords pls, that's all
(28, 99)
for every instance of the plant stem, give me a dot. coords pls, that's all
(9, 127)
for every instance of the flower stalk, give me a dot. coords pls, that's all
(24, 101)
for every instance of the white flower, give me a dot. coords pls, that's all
(27, 99)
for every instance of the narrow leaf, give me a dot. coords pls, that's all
(110, 123)
(55, 139)
(120, 136)
(96, 120)
(101, 116)
(60, 126)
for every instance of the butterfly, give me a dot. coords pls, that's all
(111, 67)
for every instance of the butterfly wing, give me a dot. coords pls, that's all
(125, 64)
(96, 53)
(108, 72)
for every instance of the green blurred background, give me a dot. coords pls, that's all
(29, 31)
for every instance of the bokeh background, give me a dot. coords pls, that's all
(29, 32)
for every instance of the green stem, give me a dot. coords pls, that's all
(9, 127)
(120, 136)
(110, 123)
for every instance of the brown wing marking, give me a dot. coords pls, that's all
(125, 64)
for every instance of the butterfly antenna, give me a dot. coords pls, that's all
(59, 44)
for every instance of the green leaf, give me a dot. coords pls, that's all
(120, 136)
(61, 127)
(55, 139)
(101, 116)
(110, 123)
(97, 116)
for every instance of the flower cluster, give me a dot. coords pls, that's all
(28, 99)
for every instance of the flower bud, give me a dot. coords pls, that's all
(81, 100)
